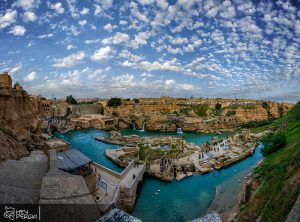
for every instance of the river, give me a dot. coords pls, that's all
(182, 200)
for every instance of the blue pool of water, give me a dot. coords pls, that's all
(161, 201)
(84, 140)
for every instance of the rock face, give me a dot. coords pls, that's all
(18, 111)
(10, 148)
(18, 118)
(168, 114)
(19, 115)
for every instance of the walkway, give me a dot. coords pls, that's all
(21, 179)
(112, 185)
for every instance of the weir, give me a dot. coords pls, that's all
(143, 127)
(133, 126)
(179, 130)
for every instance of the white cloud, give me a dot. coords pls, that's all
(82, 22)
(57, 7)
(70, 60)
(249, 25)
(123, 22)
(163, 4)
(30, 77)
(211, 8)
(146, 75)
(165, 66)
(84, 11)
(109, 27)
(146, 2)
(8, 18)
(98, 10)
(136, 13)
(297, 27)
(170, 82)
(102, 54)
(45, 36)
(29, 16)
(118, 38)
(18, 30)
(212, 12)
(227, 10)
(92, 41)
(15, 69)
(72, 8)
(27, 4)
(71, 47)
(106, 4)
(123, 38)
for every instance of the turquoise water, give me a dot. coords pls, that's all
(84, 140)
(170, 201)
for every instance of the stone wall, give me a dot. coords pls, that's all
(87, 109)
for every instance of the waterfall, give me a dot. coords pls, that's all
(179, 130)
(143, 127)
(133, 126)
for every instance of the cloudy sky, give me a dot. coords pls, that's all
(143, 48)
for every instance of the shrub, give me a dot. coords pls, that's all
(231, 113)
(185, 110)
(273, 142)
(24, 92)
(201, 110)
(114, 102)
(70, 99)
(265, 105)
(218, 106)
(255, 124)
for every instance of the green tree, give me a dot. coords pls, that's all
(70, 99)
(136, 100)
(218, 106)
(16, 84)
(114, 102)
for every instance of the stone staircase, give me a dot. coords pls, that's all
(21, 180)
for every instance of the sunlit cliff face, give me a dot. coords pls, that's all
(104, 48)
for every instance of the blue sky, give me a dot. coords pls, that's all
(143, 48)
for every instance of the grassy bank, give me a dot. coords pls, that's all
(278, 177)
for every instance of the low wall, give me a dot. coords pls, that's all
(131, 189)
(114, 173)
(87, 109)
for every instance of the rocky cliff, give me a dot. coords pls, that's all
(195, 115)
(19, 115)
(10, 147)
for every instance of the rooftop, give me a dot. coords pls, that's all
(71, 159)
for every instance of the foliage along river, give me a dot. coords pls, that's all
(182, 200)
